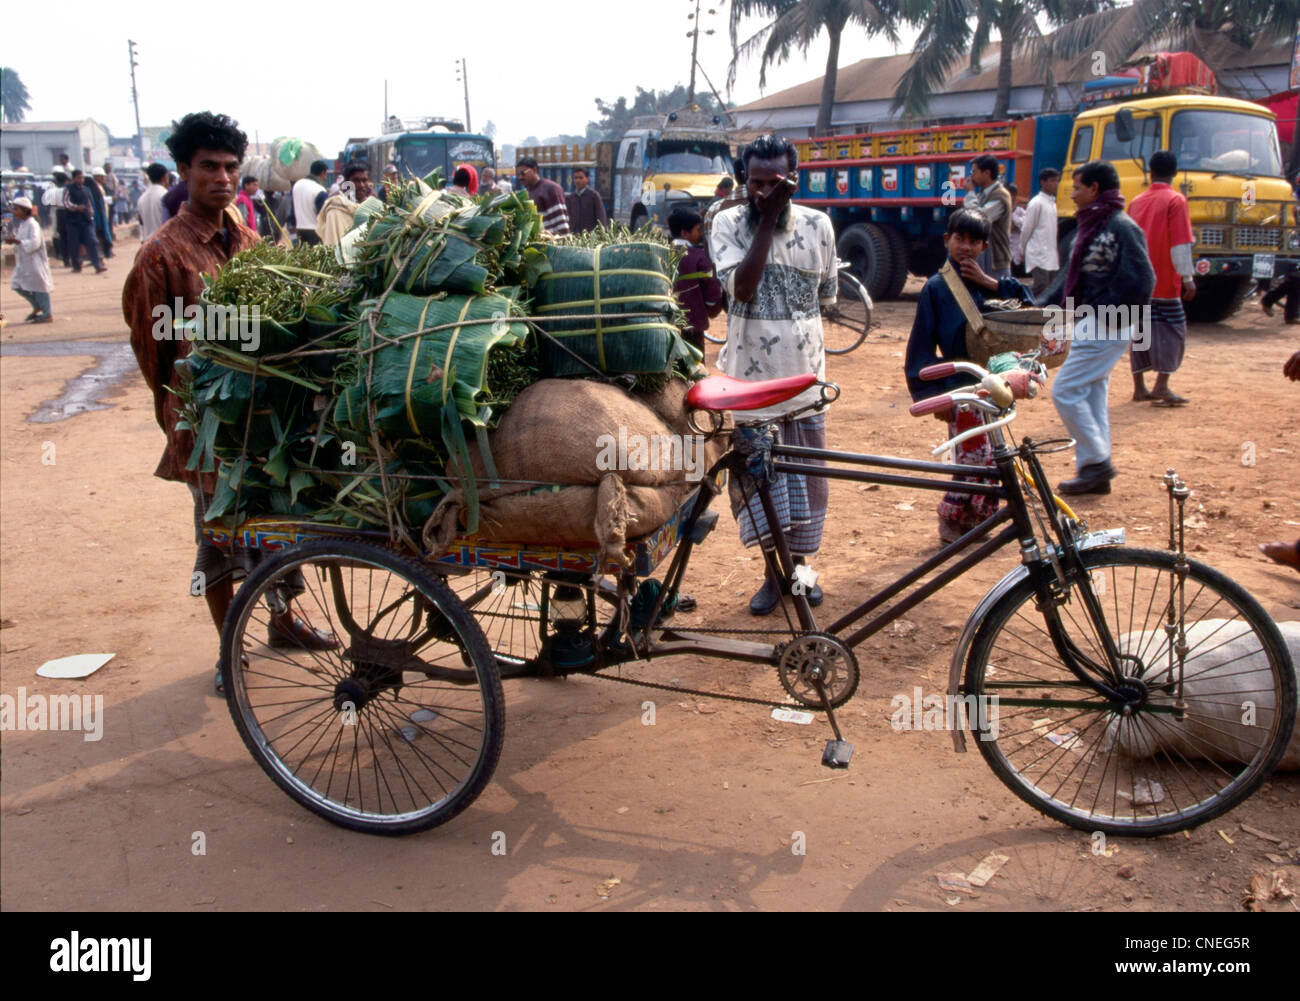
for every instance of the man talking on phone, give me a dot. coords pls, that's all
(777, 262)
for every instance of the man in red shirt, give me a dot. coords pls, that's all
(1162, 213)
(168, 273)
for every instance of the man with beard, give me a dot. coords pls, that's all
(776, 261)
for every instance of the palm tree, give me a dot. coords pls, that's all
(14, 99)
(1197, 26)
(797, 24)
(952, 28)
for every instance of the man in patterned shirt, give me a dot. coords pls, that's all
(777, 262)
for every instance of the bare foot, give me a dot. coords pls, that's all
(1286, 553)
(1141, 396)
(1167, 399)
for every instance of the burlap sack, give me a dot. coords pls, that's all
(602, 517)
(569, 431)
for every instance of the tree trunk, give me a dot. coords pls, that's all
(1003, 101)
(823, 127)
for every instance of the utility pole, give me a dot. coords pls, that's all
(135, 99)
(463, 71)
(694, 35)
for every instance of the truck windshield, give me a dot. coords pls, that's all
(1225, 142)
(675, 156)
(418, 155)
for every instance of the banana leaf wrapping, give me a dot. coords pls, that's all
(440, 358)
(436, 241)
(601, 287)
(430, 381)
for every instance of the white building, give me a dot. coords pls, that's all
(37, 145)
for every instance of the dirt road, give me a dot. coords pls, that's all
(707, 809)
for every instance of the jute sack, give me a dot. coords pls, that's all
(574, 464)
(601, 517)
(572, 431)
(1226, 669)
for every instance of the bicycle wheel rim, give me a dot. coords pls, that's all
(1076, 756)
(397, 729)
(844, 325)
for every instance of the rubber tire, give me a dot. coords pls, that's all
(898, 244)
(846, 277)
(480, 658)
(871, 253)
(1217, 299)
(1023, 596)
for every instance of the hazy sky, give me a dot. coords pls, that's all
(534, 68)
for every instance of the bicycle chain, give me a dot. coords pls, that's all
(746, 699)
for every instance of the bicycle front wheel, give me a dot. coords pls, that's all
(845, 323)
(1198, 733)
(391, 720)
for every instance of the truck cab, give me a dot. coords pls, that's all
(1230, 170)
(676, 163)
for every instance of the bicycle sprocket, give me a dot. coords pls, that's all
(818, 655)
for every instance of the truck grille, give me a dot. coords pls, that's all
(1210, 236)
(1258, 236)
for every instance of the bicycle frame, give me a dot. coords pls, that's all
(1053, 569)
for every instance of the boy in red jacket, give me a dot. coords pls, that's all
(697, 286)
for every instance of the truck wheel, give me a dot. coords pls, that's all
(1217, 299)
(898, 244)
(866, 247)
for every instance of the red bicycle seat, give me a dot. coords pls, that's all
(722, 392)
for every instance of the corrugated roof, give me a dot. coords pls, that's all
(872, 79)
(47, 126)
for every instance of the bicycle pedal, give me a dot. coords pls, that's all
(837, 754)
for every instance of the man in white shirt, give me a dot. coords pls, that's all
(1037, 248)
(150, 205)
(309, 195)
(777, 262)
(53, 196)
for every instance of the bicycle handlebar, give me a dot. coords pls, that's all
(933, 405)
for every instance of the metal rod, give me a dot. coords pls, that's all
(884, 461)
(889, 479)
(916, 573)
(1008, 534)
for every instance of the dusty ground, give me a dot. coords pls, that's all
(700, 811)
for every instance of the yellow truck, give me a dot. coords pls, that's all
(1244, 214)
(662, 163)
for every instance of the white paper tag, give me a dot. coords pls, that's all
(81, 665)
(805, 575)
(792, 716)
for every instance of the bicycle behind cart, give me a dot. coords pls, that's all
(1130, 691)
